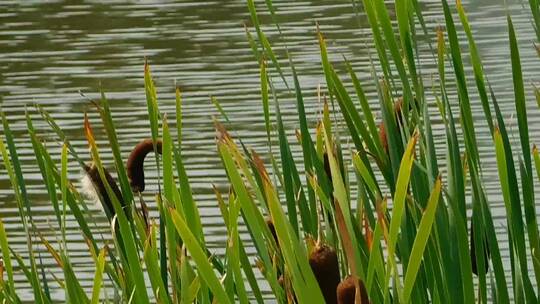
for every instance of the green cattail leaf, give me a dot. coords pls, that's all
(106, 118)
(265, 102)
(294, 254)
(61, 135)
(98, 277)
(151, 258)
(252, 216)
(134, 270)
(266, 46)
(178, 107)
(423, 233)
(13, 166)
(75, 292)
(204, 267)
(6, 259)
(402, 185)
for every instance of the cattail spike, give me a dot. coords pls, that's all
(324, 263)
(135, 163)
(92, 174)
(346, 291)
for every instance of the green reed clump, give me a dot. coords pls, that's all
(322, 221)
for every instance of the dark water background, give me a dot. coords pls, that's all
(49, 51)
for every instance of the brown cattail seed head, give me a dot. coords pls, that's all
(382, 136)
(324, 263)
(272, 229)
(92, 174)
(135, 163)
(346, 291)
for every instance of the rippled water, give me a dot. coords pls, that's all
(51, 51)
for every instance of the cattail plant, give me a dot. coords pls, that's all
(325, 266)
(351, 289)
(387, 215)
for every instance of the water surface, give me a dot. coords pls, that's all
(52, 51)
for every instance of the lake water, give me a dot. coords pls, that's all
(51, 51)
